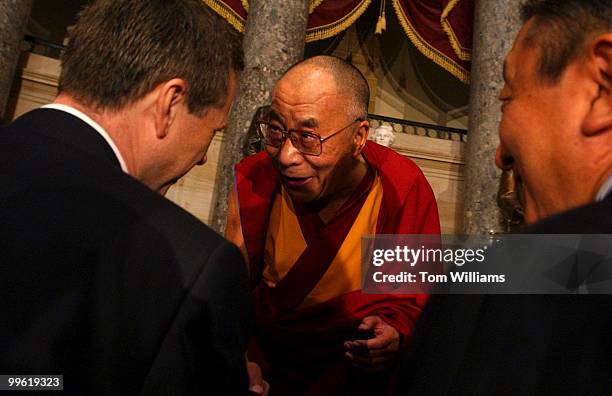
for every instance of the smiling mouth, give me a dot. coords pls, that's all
(296, 181)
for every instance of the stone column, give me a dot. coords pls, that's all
(274, 39)
(496, 23)
(14, 16)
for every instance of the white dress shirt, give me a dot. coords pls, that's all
(604, 190)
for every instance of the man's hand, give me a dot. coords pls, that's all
(256, 383)
(374, 354)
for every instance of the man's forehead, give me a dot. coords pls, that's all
(522, 53)
(306, 83)
(506, 67)
(524, 39)
(302, 119)
(305, 101)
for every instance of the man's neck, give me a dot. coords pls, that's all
(329, 209)
(112, 122)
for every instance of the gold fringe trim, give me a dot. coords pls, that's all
(427, 50)
(462, 52)
(226, 13)
(319, 33)
(313, 4)
(326, 31)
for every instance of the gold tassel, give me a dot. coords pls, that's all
(381, 24)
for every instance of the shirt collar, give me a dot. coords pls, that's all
(97, 127)
(604, 190)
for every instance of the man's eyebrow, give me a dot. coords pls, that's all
(308, 123)
(272, 114)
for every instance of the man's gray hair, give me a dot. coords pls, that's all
(562, 28)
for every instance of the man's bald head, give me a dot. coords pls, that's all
(349, 81)
(323, 102)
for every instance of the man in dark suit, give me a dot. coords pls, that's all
(556, 134)
(102, 279)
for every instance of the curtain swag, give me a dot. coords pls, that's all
(440, 29)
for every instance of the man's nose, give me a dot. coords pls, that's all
(503, 159)
(288, 155)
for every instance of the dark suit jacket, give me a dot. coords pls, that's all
(516, 344)
(103, 280)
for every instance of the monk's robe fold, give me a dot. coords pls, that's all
(306, 275)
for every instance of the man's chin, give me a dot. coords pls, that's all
(301, 196)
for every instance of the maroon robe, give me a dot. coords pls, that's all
(301, 348)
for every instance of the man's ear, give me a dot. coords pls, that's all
(361, 136)
(599, 117)
(170, 95)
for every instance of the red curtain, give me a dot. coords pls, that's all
(440, 29)
(327, 17)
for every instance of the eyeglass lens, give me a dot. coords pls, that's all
(305, 142)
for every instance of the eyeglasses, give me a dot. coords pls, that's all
(308, 143)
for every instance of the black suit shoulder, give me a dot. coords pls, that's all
(104, 280)
(516, 344)
(595, 218)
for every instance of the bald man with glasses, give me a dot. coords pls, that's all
(298, 211)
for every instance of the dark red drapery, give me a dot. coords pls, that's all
(440, 29)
